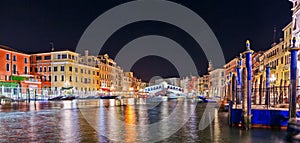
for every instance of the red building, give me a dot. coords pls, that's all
(40, 68)
(14, 70)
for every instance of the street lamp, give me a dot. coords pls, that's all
(112, 89)
(272, 80)
(67, 84)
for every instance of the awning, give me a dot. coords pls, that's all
(8, 84)
(105, 89)
(19, 78)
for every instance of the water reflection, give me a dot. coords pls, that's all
(90, 120)
(130, 122)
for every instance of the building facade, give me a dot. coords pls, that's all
(14, 73)
(217, 82)
(40, 68)
(72, 71)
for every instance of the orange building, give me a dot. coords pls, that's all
(40, 68)
(13, 63)
(14, 72)
(230, 68)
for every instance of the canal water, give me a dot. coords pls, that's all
(102, 121)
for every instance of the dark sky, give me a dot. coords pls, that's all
(29, 26)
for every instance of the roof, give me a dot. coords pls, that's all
(9, 49)
(48, 52)
(287, 26)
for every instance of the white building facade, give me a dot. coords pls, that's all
(217, 82)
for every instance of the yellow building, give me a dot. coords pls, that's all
(72, 71)
(287, 42)
(111, 75)
(278, 58)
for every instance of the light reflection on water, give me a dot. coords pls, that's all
(64, 122)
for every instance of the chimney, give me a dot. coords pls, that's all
(86, 53)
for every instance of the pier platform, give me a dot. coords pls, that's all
(272, 117)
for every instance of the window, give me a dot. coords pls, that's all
(14, 58)
(58, 56)
(70, 69)
(49, 69)
(38, 58)
(25, 60)
(89, 72)
(55, 69)
(14, 69)
(76, 79)
(64, 56)
(45, 78)
(55, 78)
(62, 68)
(7, 56)
(62, 78)
(70, 78)
(25, 70)
(81, 70)
(49, 78)
(7, 67)
(36, 69)
(76, 69)
(41, 68)
(47, 57)
(45, 69)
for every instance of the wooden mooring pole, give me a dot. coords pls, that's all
(247, 90)
(244, 97)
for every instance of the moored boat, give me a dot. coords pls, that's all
(108, 97)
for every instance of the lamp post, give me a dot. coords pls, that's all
(67, 84)
(112, 88)
(272, 80)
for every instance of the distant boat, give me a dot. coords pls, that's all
(207, 100)
(108, 97)
(62, 98)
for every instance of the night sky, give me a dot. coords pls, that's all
(29, 26)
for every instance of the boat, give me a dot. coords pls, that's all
(205, 100)
(67, 98)
(108, 97)
(62, 98)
